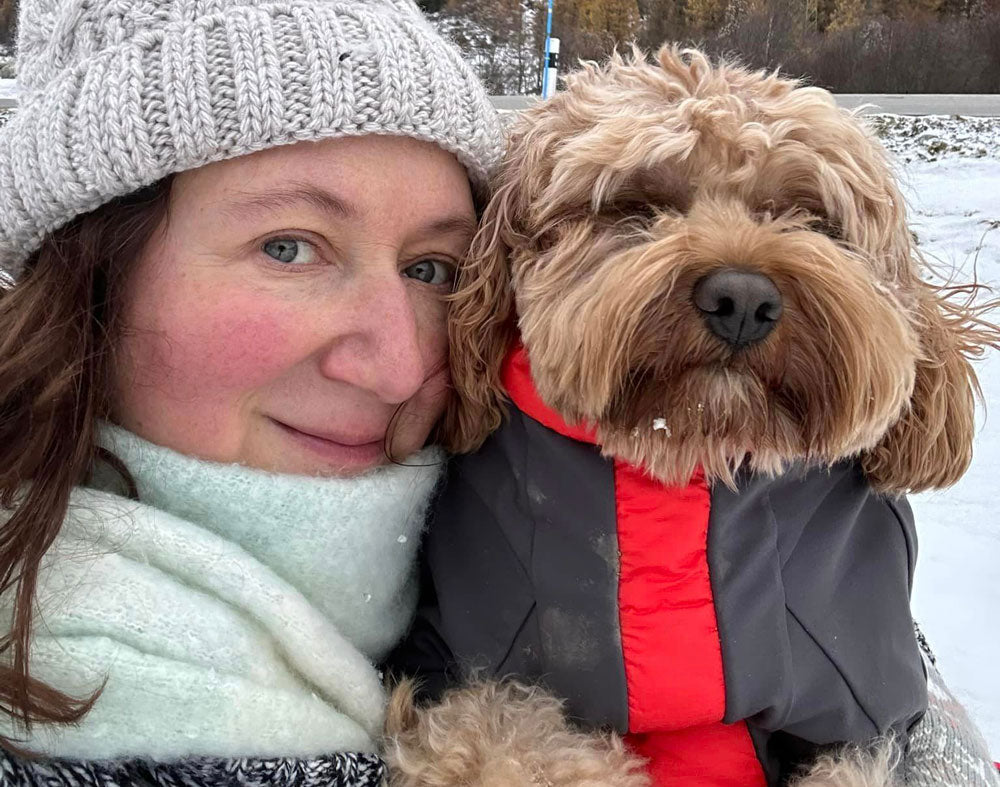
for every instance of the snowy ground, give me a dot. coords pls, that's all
(6, 62)
(931, 137)
(955, 212)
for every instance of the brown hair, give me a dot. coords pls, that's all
(58, 330)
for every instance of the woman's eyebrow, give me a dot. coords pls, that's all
(250, 205)
(459, 224)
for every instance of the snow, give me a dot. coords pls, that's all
(955, 212)
(931, 137)
(6, 63)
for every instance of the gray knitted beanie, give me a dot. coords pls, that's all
(116, 94)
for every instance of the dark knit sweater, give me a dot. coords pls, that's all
(336, 770)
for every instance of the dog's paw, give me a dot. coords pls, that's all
(500, 735)
(853, 767)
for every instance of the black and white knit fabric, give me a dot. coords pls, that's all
(946, 749)
(337, 770)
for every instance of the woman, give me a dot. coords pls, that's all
(231, 226)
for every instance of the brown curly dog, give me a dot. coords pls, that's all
(712, 268)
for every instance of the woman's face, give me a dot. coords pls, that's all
(293, 301)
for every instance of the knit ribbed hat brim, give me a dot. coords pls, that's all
(174, 96)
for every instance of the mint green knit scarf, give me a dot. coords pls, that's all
(232, 612)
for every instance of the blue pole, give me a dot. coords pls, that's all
(548, 44)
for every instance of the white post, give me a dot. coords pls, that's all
(551, 68)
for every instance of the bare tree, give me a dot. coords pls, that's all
(857, 46)
(591, 29)
(8, 20)
(500, 38)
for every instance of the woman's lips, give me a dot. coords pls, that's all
(343, 451)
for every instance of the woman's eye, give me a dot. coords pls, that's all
(431, 271)
(290, 251)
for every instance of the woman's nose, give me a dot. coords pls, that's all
(384, 349)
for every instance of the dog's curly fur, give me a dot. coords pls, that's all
(854, 766)
(622, 192)
(508, 734)
(500, 735)
(616, 198)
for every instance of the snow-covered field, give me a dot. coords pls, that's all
(955, 212)
(6, 62)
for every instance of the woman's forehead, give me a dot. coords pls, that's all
(348, 178)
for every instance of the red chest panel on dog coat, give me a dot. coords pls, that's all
(730, 633)
(669, 635)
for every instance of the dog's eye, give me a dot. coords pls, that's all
(814, 215)
(770, 210)
(630, 211)
(828, 227)
(635, 209)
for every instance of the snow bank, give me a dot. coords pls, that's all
(955, 213)
(933, 137)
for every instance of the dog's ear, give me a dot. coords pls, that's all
(482, 322)
(930, 446)
(481, 327)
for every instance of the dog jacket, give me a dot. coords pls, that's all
(729, 635)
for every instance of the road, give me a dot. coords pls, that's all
(930, 104)
(954, 104)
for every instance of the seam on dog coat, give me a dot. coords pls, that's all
(730, 635)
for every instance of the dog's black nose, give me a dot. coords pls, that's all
(740, 307)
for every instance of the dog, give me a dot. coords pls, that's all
(705, 273)
(508, 734)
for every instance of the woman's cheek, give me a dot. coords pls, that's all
(194, 375)
(233, 346)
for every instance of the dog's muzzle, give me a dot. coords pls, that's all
(740, 307)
